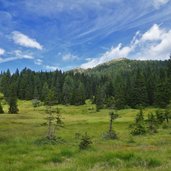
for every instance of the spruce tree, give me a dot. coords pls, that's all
(12, 99)
(13, 107)
(162, 94)
(68, 90)
(138, 128)
(152, 123)
(45, 91)
(139, 92)
(100, 98)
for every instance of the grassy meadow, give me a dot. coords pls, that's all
(20, 132)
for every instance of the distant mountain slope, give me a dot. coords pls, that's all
(119, 65)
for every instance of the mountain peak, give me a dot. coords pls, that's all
(113, 61)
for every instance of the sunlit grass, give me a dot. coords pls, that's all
(19, 132)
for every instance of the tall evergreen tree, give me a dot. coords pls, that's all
(12, 100)
(45, 91)
(100, 98)
(139, 91)
(68, 89)
(162, 94)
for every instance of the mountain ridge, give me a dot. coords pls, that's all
(82, 70)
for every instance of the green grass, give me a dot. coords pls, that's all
(20, 152)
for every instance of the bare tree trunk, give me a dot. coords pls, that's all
(110, 125)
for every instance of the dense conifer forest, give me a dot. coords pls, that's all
(118, 84)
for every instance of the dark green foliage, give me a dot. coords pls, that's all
(13, 107)
(152, 123)
(85, 142)
(167, 115)
(45, 91)
(139, 91)
(120, 84)
(11, 99)
(47, 141)
(1, 109)
(160, 116)
(163, 117)
(68, 88)
(162, 96)
(139, 128)
(100, 98)
(79, 94)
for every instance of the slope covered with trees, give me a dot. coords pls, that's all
(118, 84)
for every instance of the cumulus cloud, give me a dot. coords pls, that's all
(2, 51)
(153, 44)
(69, 57)
(23, 40)
(118, 51)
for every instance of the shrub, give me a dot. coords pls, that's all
(85, 142)
(152, 123)
(160, 116)
(138, 128)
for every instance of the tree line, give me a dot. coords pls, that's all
(126, 83)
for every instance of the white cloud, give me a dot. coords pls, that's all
(38, 62)
(47, 67)
(2, 51)
(153, 44)
(69, 57)
(158, 3)
(52, 68)
(118, 51)
(154, 33)
(23, 40)
(22, 55)
(16, 55)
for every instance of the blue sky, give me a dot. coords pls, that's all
(64, 34)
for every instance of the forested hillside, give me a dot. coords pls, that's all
(117, 84)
